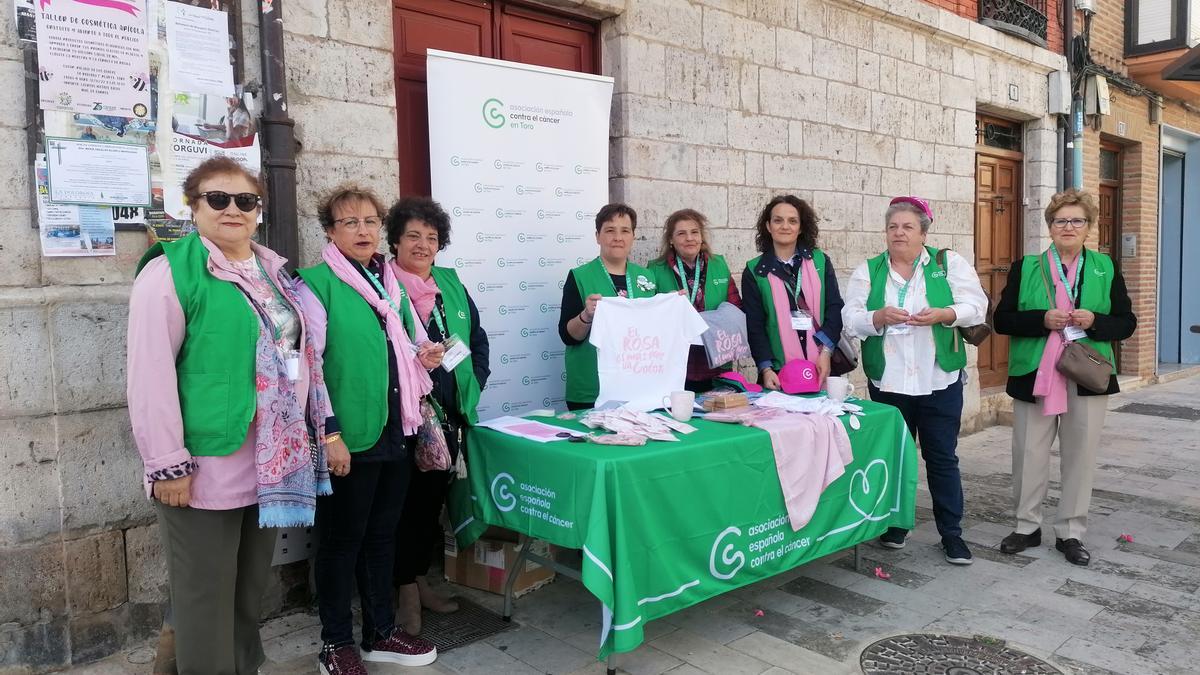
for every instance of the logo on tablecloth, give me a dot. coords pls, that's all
(504, 499)
(731, 559)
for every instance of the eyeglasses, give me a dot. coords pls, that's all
(1069, 223)
(219, 201)
(372, 223)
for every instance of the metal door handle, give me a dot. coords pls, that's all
(1196, 328)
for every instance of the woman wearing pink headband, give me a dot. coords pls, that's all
(905, 304)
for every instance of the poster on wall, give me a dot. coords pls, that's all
(519, 159)
(93, 57)
(186, 153)
(84, 171)
(198, 48)
(70, 229)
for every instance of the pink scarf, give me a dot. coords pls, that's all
(422, 292)
(1050, 384)
(810, 287)
(414, 381)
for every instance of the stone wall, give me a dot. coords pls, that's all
(719, 105)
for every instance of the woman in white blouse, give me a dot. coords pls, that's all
(905, 305)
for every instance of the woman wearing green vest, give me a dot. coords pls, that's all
(790, 292)
(225, 393)
(417, 228)
(376, 356)
(687, 264)
(904, 305)
(1091, 306)
(608, 275)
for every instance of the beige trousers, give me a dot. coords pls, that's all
(1078, 431)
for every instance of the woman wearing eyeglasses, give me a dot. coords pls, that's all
(376, 357)
(1092, 306)
(223, 387)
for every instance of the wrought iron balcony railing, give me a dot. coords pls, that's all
(1025, 19)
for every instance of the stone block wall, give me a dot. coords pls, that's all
(718, 106)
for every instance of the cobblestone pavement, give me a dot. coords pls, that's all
(1135, 610)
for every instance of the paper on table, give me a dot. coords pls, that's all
(198, 44)
(528, 429)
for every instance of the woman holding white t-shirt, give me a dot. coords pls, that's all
(905, 304)
(610, 274)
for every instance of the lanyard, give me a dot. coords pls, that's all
(1072, 289)
(276, 331)
(796, 289)
(382, 292)
(437, 318)
(902, 291)
(694, 289)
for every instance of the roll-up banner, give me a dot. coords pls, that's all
(518, 157)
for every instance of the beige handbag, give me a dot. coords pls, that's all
(1078, 362)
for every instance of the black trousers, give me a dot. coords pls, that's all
(420, 530)
(357, 526)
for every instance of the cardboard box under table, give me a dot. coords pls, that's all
(485, 565)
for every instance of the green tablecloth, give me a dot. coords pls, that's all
(667, 525)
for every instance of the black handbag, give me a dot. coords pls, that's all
(973, 335)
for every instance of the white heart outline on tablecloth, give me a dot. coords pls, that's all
(866, 483)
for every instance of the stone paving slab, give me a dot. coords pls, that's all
(1134, 611)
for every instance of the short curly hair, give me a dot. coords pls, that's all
(1073, 197)
(219, 166)
(808, 223)
(423, 209)
(344, 194)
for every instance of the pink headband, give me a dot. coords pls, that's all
(915, 201)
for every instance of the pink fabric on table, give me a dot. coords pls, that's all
(811, 451)
(156, 332)
(1050, 384)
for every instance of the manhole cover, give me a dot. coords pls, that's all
(949, 655)
(470, 623)
(1175, 412)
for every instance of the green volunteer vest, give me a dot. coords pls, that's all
(716, 280)
(215, 364)
(458, 322)
(583, 382)
(1095, 294)
(764, 291)
(356, 362)
(947, 342)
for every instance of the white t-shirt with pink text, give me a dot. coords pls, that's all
(642, 347)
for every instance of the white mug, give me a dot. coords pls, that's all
(680, 404)
(838, 388)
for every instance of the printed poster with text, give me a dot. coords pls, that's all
(519, 159)
(93, 57)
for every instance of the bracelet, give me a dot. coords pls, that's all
(335, 436)
(582, 321)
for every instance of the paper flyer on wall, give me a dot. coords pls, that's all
(93, 57)
(69, 229)
(198, 50)
(84, 171)
(187, 152)
(26, 20)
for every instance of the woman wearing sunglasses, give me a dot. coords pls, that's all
(224, 395)
(1090, 305)
(376, 356)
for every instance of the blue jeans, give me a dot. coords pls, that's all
(934, 420)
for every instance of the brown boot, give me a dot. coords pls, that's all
(433, 601)
(164, 657)
(408, 609)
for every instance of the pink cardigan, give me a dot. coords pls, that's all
(156, 332)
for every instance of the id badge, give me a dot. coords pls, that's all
(291, 362)
(1073, 333)
(456, 351)
(900, 329)
(801, 320)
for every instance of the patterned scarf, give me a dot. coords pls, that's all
(289, 456)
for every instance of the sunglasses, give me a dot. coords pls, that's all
(219, 201)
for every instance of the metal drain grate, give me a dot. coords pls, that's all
(1175, 412)
(470, 623)
(949, 655)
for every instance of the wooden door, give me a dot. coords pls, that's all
(1108, 223)
(481, 28)
(997, 231)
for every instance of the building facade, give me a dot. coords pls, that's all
(718, 105)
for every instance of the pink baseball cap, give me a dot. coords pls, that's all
(799, 376)
(915, 201)
(736, 379)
